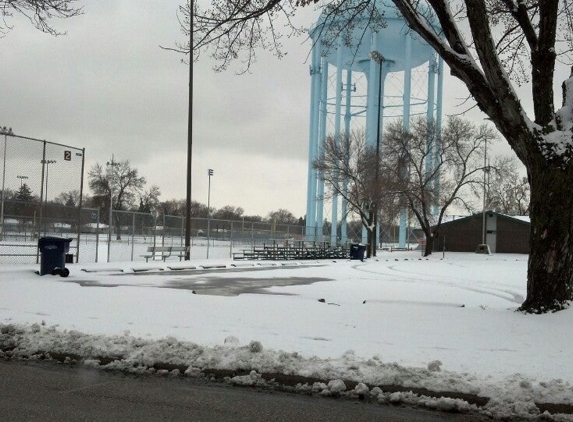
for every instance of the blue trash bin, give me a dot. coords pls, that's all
(53, 252)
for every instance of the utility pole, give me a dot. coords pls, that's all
(5, 132)
(111, 167)
(485, 171)
(210, 173)
(189, 137)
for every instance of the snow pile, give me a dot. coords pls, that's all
(516, 396)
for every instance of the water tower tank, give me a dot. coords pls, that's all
(384, 24)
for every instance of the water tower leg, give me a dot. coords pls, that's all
(347, 117)
(323, 111)
(337, 134)
(439, 104)
(311, 202)
(406, 123)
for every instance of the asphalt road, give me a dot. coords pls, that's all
(46, 391)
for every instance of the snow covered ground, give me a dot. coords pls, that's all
(443, 323)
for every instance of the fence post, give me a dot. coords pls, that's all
(231, 239)
(80, 205)
(132, 235)
(97, 237)
(253, 234)
(163, 232)
(154, 230)
(109, 229)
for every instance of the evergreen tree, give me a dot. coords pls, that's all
(24, 194)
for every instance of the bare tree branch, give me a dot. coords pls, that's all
(39, 12)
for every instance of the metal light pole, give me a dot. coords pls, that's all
(485, 170)
(111, 164)
(21, 180)
(189, 137)
(379, 58)
(210, 173)
(4, 132)
(47, 163)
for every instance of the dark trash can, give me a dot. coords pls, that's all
(357, 251)
(53, 252)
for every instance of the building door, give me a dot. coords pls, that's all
(491, 231)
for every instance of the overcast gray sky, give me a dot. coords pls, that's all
(108, 87)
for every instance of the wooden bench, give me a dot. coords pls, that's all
(164, 252)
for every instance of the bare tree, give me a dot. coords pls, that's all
(117, 182)
(348, 166)
(39, 12)
(228, 212)
(149, 200)
(69, 199)
(237, 29)
(507, 191)
(507, 42)
(282, 216)
(520, 39)
(172, 207)
(177, 207)
(433, 170)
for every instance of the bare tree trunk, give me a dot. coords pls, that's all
(550, 269)
(429, 247)
(117, 227)
(371, 247)
(374, 241)
(370, 236)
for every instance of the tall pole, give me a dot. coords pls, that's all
(5, 132)
(111, 165)
(189, 138)
(80, 206)
(210, 173)
(109, 229)
(47, 177)
(380, 111)
(374, 208)
(47, 163)
(484, 192)
(42, 195)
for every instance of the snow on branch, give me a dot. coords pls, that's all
(556, 141)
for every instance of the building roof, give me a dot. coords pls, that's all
(519, 218)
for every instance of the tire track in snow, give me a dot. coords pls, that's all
(402, 276)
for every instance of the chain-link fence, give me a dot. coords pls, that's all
(41, 194)
(131, 233)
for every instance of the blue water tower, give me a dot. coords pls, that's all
(367, 67)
